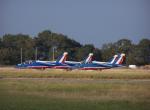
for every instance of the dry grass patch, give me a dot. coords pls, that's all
(52, 73)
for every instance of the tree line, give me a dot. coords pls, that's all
(45, 41)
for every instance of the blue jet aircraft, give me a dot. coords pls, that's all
(95, 65)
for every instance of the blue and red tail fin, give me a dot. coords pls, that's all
(120, 59)
(62, 58)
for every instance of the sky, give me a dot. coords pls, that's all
(86, 21)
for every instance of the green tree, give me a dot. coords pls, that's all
(46, 41)
(143, 55)
(7, 56)
(1, 44)
(97, 54)
(12, 45)
(121, 46)
(83, 52)
(108, 50)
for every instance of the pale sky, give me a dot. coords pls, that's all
(86, 21)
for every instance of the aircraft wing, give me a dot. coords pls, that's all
(46, 64)
(97, 62)
(103, 64)
(73, 62)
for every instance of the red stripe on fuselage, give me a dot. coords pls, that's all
(61, 67)
(39, 67)
(92, 68)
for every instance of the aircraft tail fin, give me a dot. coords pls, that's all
(62, 58)
(120, 59)
(114, 59)
(89, 58)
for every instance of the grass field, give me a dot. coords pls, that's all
(113, 89)
(51, 73)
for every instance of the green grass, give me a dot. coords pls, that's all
(43, 103)
(74, 94)
(114, 89)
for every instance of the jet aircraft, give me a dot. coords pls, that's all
(44, 64)
(60, 63)
(95, 65)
